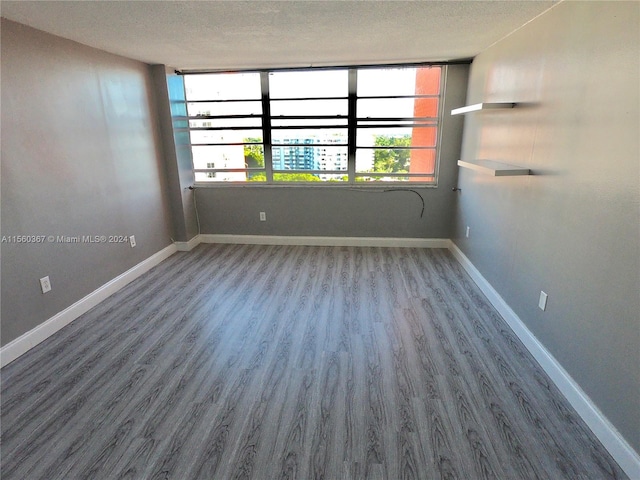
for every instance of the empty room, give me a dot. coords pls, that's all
(320, 240)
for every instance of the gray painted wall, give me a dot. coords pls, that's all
(80, 156)
(571, 229)
(172, 118)
(344, 212)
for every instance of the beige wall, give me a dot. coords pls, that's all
(80, 156)
(573, 228)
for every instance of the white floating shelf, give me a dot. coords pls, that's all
(496, 169)
(481, 106)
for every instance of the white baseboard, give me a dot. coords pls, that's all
(613, 441)
(33, 337)
(327, 241)
(188, 246)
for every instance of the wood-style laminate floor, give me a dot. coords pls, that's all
(288, 362)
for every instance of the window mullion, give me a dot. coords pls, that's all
(351, 128)
(266, 126)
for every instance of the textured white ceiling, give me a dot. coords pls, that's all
(260, 34)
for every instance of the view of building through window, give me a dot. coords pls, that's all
(326, 125)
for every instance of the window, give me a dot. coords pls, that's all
(322, 125)
(397, 124)
(309, 125)
(225, 126)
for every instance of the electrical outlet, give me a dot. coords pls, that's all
(466, 234)
(45, 284)
(132, 240)
(263, 217)
(542, 302)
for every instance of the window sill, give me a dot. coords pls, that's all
(352, 186)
